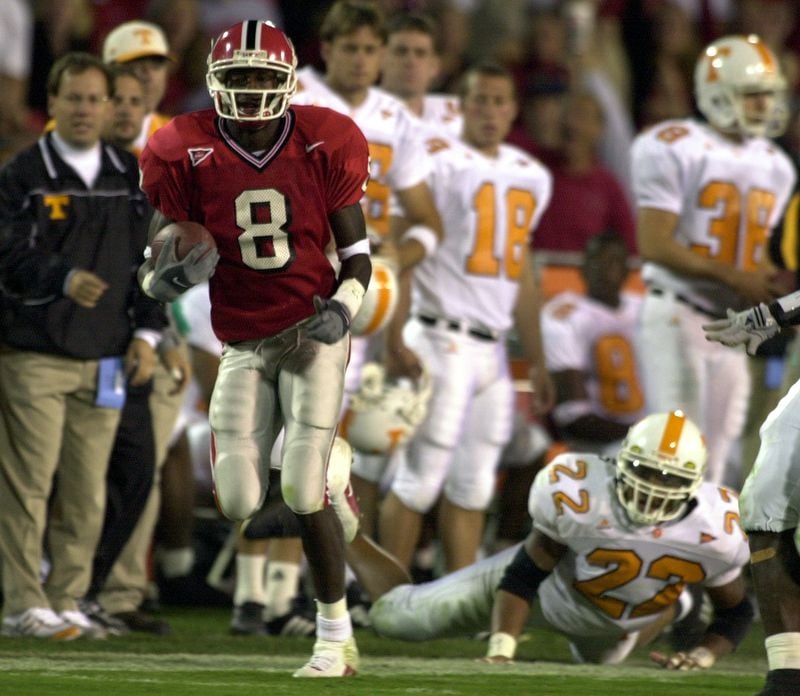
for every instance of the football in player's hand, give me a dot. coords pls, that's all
(187, 235)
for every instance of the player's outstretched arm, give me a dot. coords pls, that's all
(733, 615)
(533, 562)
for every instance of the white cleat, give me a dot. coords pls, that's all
(331, 658)
(39, 622)
(340, 492)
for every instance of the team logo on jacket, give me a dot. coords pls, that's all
(56, 203)
(198, 154)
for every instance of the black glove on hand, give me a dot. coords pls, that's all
(171, 277)
(331, 322)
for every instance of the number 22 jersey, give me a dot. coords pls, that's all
(618, 575)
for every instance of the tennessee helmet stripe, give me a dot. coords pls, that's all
(765, 54)
(672, 433)
(380, 276)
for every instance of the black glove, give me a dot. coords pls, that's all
(171, 277)
(331, 322)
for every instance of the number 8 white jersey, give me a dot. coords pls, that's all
(617, 575)
(727, 196)
(489, 207)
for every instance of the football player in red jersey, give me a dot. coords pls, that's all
(272, 183)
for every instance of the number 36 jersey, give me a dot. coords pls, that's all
(727, 196)
(268, 211)
(616, 575)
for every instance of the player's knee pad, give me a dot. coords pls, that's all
(303, 473)
(237, 481)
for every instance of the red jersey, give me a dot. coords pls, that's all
(267, 211)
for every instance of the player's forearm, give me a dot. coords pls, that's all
(786, 310)
(509, 613)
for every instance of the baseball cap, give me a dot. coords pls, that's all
(132, 40)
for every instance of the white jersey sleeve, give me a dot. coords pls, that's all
(658, 169)
(563, 335)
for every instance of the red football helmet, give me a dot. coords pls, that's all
(252, 44)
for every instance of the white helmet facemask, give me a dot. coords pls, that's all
(659, 467)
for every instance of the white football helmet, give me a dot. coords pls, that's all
(252, 44)
(383, 414)
(379, 301)
(659, 467)
(731, 68)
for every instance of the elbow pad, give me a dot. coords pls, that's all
(732, 623)
(522, 576)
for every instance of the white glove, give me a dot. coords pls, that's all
(171, 277)
(698, 658)
(751, 327)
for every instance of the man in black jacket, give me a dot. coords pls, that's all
(73, 228)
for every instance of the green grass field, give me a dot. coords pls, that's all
(202, 658)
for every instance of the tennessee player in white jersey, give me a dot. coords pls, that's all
(410, 67)
(770, 503)
(707, 196)
(466, 297)
(613, 547)
(353, 40)
(589, 344)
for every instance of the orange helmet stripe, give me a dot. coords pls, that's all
(767, 58)
(672, 433)
(383, 298)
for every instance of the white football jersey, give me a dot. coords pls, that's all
(581, 333)
(616, 575)
(442, 113)
(727, 196)
(489, 207)
(398, 159)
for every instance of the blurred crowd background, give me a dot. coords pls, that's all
(636, 56)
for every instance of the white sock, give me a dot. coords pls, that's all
(280, 587)
(333, 621)
(175, 563)
(249, 579)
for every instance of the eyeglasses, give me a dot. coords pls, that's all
(78, 99)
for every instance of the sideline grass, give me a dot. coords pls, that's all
(201, 659)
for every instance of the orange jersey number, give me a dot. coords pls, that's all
(520, 206)
(737, 245)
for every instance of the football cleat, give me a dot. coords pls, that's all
(295, 622)
(248, 620)
(331, 658)
(97, 615)
(39, 622)
(88, 627)
(340, 492)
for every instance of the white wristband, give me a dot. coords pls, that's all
(783, 651)
(502, 645)
(425, 236)
(360, 247)
(350, 293)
